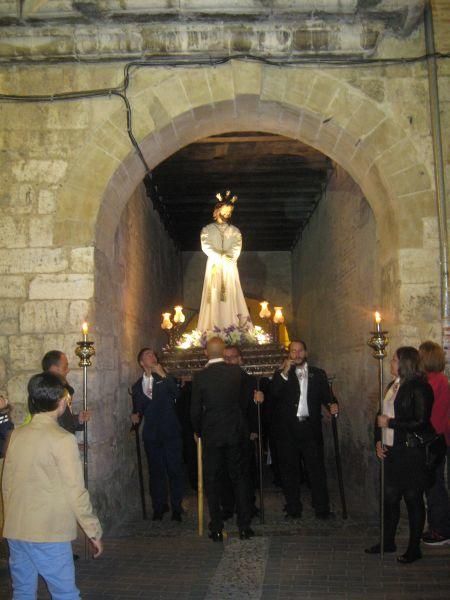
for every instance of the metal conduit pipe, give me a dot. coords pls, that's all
(439, 176)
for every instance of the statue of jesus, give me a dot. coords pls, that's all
(223, 303)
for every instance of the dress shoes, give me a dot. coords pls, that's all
(216, 536)
(324, 515)
(409, 556)
(289, 516)
(377, 547)
(176, 516)
(246, 534)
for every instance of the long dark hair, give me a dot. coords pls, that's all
(408, 363)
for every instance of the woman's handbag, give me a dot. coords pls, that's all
(434, 444)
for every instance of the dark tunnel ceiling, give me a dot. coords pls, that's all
(278, 181)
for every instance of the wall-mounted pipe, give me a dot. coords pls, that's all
(439, 173)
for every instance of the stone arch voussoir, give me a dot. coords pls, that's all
(318, 109)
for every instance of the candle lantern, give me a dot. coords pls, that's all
(278, 319)
(167, 325)
(265, 312)
(378, 343)
(166, 322)
(178, 317)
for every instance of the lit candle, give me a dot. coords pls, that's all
(178, 317)
(378, 322)
(85, 330)
(265, 312)
(278, 316)
(166, 322)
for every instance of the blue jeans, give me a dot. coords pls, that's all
(52, 560)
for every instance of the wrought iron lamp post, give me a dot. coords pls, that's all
(85, 351)
(378, 343)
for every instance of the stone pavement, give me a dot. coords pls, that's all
(286, 560)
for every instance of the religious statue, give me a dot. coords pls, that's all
(223, 303)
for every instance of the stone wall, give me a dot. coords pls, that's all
(132, 288)
(69, 168)
(263, 275)
(335, 290)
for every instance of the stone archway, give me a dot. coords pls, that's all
(172, 110)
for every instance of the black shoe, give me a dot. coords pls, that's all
(176, 516)
(216, 536)
(246, 534)
(324, 515)
(292, 515)
(409, 556)
(157, 516)
(377, 547)
(76, 557)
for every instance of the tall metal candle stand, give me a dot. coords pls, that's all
(378, 343)
(85, 351)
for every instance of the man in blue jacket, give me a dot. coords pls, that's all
(154, 396)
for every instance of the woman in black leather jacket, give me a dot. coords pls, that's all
(406, 418)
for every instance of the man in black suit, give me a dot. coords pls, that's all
(56, 362)
(253, 396)
(154, 396)
(218, 397)
(299, 392)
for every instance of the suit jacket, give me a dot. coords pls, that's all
(412, 408)
(250, 408)
(218, 404)
(160, 420)
(43, 486)
(287, 395)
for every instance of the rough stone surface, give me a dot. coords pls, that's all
(48, 287)
(340, 273)
(69, 210)
(132, 288)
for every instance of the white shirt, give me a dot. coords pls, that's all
(214, 360)
(302, 376)
(147, 385)
(389, 410)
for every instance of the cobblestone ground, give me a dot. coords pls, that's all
(286, 560)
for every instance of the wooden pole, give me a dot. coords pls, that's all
(200, 486)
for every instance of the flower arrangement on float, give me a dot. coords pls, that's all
(242, 334)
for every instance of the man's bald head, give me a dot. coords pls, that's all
(215, 347)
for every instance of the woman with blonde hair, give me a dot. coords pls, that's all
(432, 361)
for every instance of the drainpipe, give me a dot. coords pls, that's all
(439, 177)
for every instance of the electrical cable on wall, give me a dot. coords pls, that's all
(162, 61)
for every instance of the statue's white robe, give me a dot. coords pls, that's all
(223, 303)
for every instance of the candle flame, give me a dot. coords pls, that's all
(85, 328)
(377, 317)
